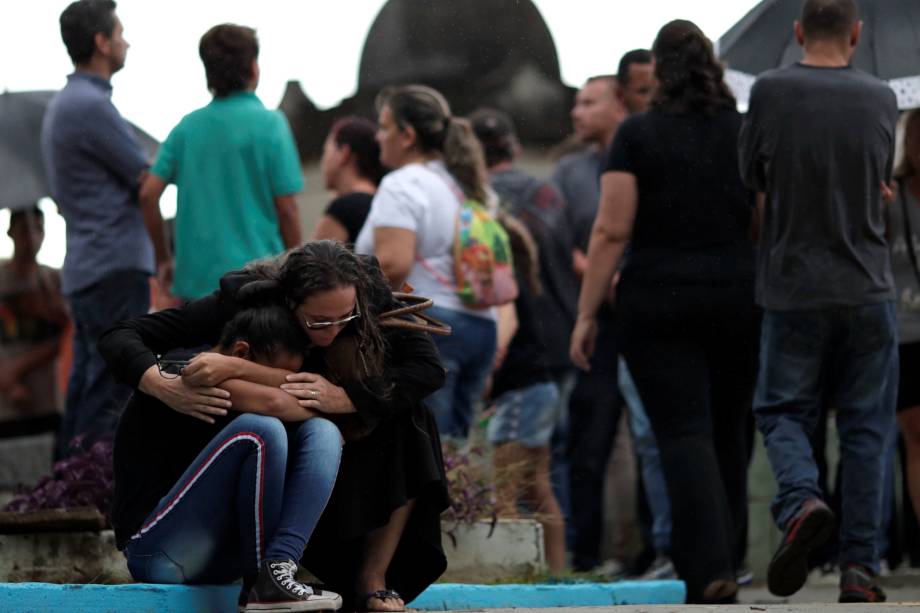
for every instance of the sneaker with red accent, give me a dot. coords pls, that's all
(857, 584)
(809, 529)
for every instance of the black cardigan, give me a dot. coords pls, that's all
(399, 461)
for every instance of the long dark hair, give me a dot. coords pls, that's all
(426, 111)
(690, 78)
(319, 266)
(906, 167)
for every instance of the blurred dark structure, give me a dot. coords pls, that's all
(496, 53)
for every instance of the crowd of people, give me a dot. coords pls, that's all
(707, 271)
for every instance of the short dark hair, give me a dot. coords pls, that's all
(824, 19)
(268, 329)
(611, 80)
(30, 211)
(636, 56)
(227, 51)
(81, 21)
(360, 136)
(495, 132)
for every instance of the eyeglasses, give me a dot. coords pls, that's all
(322, 325)
(170, 369)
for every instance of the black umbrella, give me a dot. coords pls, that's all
(22, 174)
(889, 47)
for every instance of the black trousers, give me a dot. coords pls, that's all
(594, 412)
(692, 351)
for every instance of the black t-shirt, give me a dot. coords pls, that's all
(351, 211)
(694, 213)
(154, 445)
(527, 361)
(541, 208)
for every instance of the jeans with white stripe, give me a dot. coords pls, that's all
(255, 492)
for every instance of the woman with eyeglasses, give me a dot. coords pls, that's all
(378, 542)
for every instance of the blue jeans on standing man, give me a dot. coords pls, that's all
(847, 357)
(467, 354)
(94, 400)
(255, 492)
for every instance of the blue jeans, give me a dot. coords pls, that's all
(845, 357)
(656, 490)
(467, 354)
(255, 492)
(94, 400)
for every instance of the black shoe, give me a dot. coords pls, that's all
(276, 589)
(858, 585)
(808, 530)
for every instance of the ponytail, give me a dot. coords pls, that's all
(427, 112)
(464, 159)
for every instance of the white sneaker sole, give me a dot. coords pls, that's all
(324, 604)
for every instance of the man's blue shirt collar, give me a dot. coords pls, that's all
(96, 80)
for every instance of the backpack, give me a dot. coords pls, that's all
(483, 266)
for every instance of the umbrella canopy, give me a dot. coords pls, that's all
(889, 47)
(22, 174)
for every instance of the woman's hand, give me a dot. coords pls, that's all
(315, 392)
(583, 338)
(208, 369)
(202, 402)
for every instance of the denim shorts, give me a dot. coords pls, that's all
(526, 415)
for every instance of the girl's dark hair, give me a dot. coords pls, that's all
(524, 250)
(495, 132)
(690, 78)
(360, 136)
(227, 52)
(268, 328)
(426, 111)
(906, 166)
(81, 21)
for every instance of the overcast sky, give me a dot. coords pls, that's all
(317, 42)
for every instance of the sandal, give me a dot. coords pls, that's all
(379, 595)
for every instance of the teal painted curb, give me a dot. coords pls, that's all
(462, 596)
(147, 598)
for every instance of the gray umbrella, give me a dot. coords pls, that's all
(22, 175)
(889, 47)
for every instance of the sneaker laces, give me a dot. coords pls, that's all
(284, 574)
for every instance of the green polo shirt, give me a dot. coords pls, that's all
(229, 160)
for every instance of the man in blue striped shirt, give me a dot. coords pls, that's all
(94, 164)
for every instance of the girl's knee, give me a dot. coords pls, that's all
(321, 431)
(261, 424)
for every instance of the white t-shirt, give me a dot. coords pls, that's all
(417, 197)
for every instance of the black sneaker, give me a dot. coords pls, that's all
(276, 589)
(857, 584)
(788, 569)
